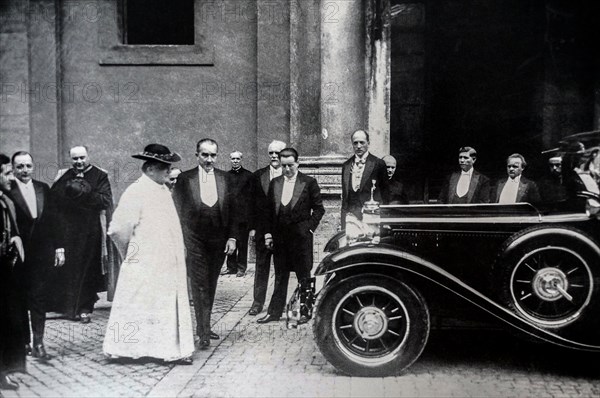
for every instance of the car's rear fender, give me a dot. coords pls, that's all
(386, 257)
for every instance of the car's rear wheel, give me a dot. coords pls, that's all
(371, 325)
(547, 275)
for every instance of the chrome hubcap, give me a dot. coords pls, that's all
(551, 286)
(548, 283)
(370, 323)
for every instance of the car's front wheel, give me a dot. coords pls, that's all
(371, 325)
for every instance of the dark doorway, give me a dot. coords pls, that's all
(501, 76)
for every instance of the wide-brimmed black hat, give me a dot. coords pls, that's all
(77, 187)
(158, 152)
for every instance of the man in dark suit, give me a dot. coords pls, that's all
(358, 174)
(516, 188)
(294, 210)
(34, 218)
(552, 186)
(242, 182)
(204, 202)
(466, 185)
(260, 188)
(397, 193)
(12, 307)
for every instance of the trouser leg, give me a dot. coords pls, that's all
(204, 263)
(242, 251)
(261, 275)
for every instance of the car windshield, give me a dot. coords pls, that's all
(580, 163)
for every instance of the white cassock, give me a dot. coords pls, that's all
(150, 315)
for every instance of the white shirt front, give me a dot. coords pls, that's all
(358, 167)
(288, 190)
(208, 187)
(273, 172)
(510, 190)
(28, 192)
(462, 187)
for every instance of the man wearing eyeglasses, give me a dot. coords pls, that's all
(34, 219)
(516, 188)
(551, 185)
(262, 179)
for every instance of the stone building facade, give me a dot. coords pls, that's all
(424, 77)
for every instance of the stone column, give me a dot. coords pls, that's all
(14, 77)
(378, 69)
(45, 85)
(305, 76)
(342, 74)
(272, 75)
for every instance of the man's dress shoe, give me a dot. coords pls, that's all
(28, 349)
(214, 336)
(6, 383)
(228, 272)
(255, 309)
(268, 318)
(204, 344)
(39, 351)
(182, 361)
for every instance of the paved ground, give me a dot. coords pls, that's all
(254, 360)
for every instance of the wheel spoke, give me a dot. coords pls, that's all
(386, 304)
(359, 302)
(346, 326)
(529, 266)
(523, 281)
(573, 270)
(393, 318)
(525, 296)
(392, 332)
(348, 311)
(382, 343)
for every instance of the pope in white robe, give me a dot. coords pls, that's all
(150, 314)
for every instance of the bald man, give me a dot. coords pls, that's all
(397, 193)
(358, 174)
(84, 206)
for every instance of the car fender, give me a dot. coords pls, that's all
(384, 255)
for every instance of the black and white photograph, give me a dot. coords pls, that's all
(299, 198)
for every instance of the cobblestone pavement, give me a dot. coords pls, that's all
(254, 360)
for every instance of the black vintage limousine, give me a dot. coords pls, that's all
(533, 267)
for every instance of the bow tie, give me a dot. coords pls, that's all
(360, 161)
